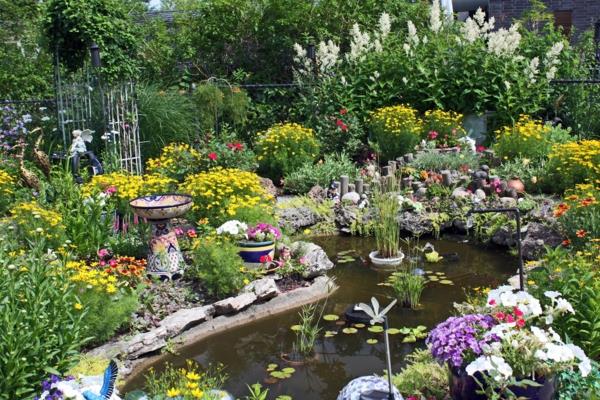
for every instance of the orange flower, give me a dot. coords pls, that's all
(581, 233)
(587, 202)
(566, 243)
(572, 197)
(561, 209)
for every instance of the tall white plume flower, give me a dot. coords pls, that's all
(327, 55)
(385, 24)
(532, 69)
(477, 27)
(435, 20)
(504, 42)
(359, 44)
(413, 38)
(551, 59)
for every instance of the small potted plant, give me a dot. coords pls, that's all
(256, 243)
(387, 230)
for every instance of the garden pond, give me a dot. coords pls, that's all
(247, 351)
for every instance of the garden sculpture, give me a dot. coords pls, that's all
(108, 384)
(29, 178)
(374, 387)
(41, 158)
(79, 149)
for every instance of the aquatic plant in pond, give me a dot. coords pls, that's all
(407, 287)
(387, 228)
(307, 331)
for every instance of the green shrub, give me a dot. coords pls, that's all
(341, 132)
(423, 376)
(396, 130)
(175, 382)
(577, 278)
(166, 116)
(321, 173)
(284, 148)
(220, 104)
(106, 314)
(528, 138)
(224, 149)
(575, 162)
(579, 215)
(255, 215)
(572, 386)
(434, 161)
(217, 265)
(41, 327)
(533, 173)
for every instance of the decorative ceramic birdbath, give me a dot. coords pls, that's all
(164, 258)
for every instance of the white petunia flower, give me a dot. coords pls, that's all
(552, 294)
(233, 227)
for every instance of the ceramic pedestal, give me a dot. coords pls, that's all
(164, 258)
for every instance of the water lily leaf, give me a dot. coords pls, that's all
(421, 328)
(345, 252)
(271, 367)
(283, 397)
(331, 317)
(376, 329)
(296, 328)
(372, 341)
(393, 331)
(288, 370)
(349, 331)
(329, 334)
(446, 282)
(384, 284)
(429, 271)
(434, 278)
(405, 331)
(409, 339)
(440, 273)
(280, 375)
(359, 325)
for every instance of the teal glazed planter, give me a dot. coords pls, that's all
(251, 252)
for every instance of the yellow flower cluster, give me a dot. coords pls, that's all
(33, 220)
(220, 192)
(448, 118)
(288, 138)
(128, 186)
(6, 183)
(578, 158)
(525, 129)
(188, 385)
(90, 277)
(172, 157)
(398, 119)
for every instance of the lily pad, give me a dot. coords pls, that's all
(393, 331)
(359, 325)
(375, 329)
(288, 370)
(409, 339)
(434, 278)
(421, 328)
(440, 273)
(331, 317)
(372, 341)
(345, 253)
(296, 328)
(271, 367)
(446, 282)
(280, 375)
(405, 331)
(349, 331)
(329, 334)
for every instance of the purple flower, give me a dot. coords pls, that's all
(261, 232)
(458, 338)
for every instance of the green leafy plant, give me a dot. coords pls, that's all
(308, 329)
(434, 161)
(407, 287)
(386, 227)
(218, 104)
(322, 173)
(572, 386)
(423, 376)
(187, 383)
(41, 326)
(217, 265)
(396, 130)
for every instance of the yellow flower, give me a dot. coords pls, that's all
(192, 376)
(78, 306)
(246, 281)
(197, 393)
(173, 392)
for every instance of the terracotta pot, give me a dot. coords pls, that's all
(517, 184)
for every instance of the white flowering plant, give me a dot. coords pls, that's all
(518, 347)
(234, 229)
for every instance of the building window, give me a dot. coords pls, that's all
(564, 18)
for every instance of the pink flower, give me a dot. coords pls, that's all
(178, 231)
(432, 135)
(110, 190)
(302, 260)
(343, 111)
(103, 253)
(510, 318)
(480, 148)
(265, 259)
(191, 233)
(212, 156)
(112, 263)
(492, 302)
(340, 124)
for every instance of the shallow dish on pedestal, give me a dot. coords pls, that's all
(161, 206)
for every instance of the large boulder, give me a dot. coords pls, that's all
(537, 238)
(317, 193)
(416, 223)
(297, 218)
(185, 319)
(269, 187)
(264, 288)
(505, 236)
(234, 304)
(316, 260)
(345, 216)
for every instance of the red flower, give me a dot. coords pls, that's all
(235, 146)
(500, 316)
(581, 233)
(480, 148)
(265, 259)
(510, 318)
(191, 233)
(566, 243)
(343, 111)
(587, 202)
(341, 125)
(432, 135)
(520, 322)
(212, 156)
(492, 302)
(518, 313)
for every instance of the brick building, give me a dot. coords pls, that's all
(579, 15)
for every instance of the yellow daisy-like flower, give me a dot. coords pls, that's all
(197, 393)
(192, 376)
(173, 392)
(78, 306)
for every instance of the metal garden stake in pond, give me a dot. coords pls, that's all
(517, 214)
(374, 387)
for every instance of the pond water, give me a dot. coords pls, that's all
(248, 350)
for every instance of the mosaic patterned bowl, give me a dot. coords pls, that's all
(161, 206)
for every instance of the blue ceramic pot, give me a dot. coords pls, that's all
(251, 252)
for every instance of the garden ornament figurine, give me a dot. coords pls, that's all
(108, 384)
(373, 387)
(79, 149)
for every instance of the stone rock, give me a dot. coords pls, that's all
(485, 168)
(480, 175)
(504, 237)
(268, 185)
(460, 226)
(508, 202)
(421, 193)
(144, 343)
(186, 318)
(539, 236)
(480, 194)
(460, 192)
(316, 260)
(544, 213)
(317, 193)
(416, 223)
(264, 288)
(298, 218)
(351, 197)
(345, 216)
(234, 304)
